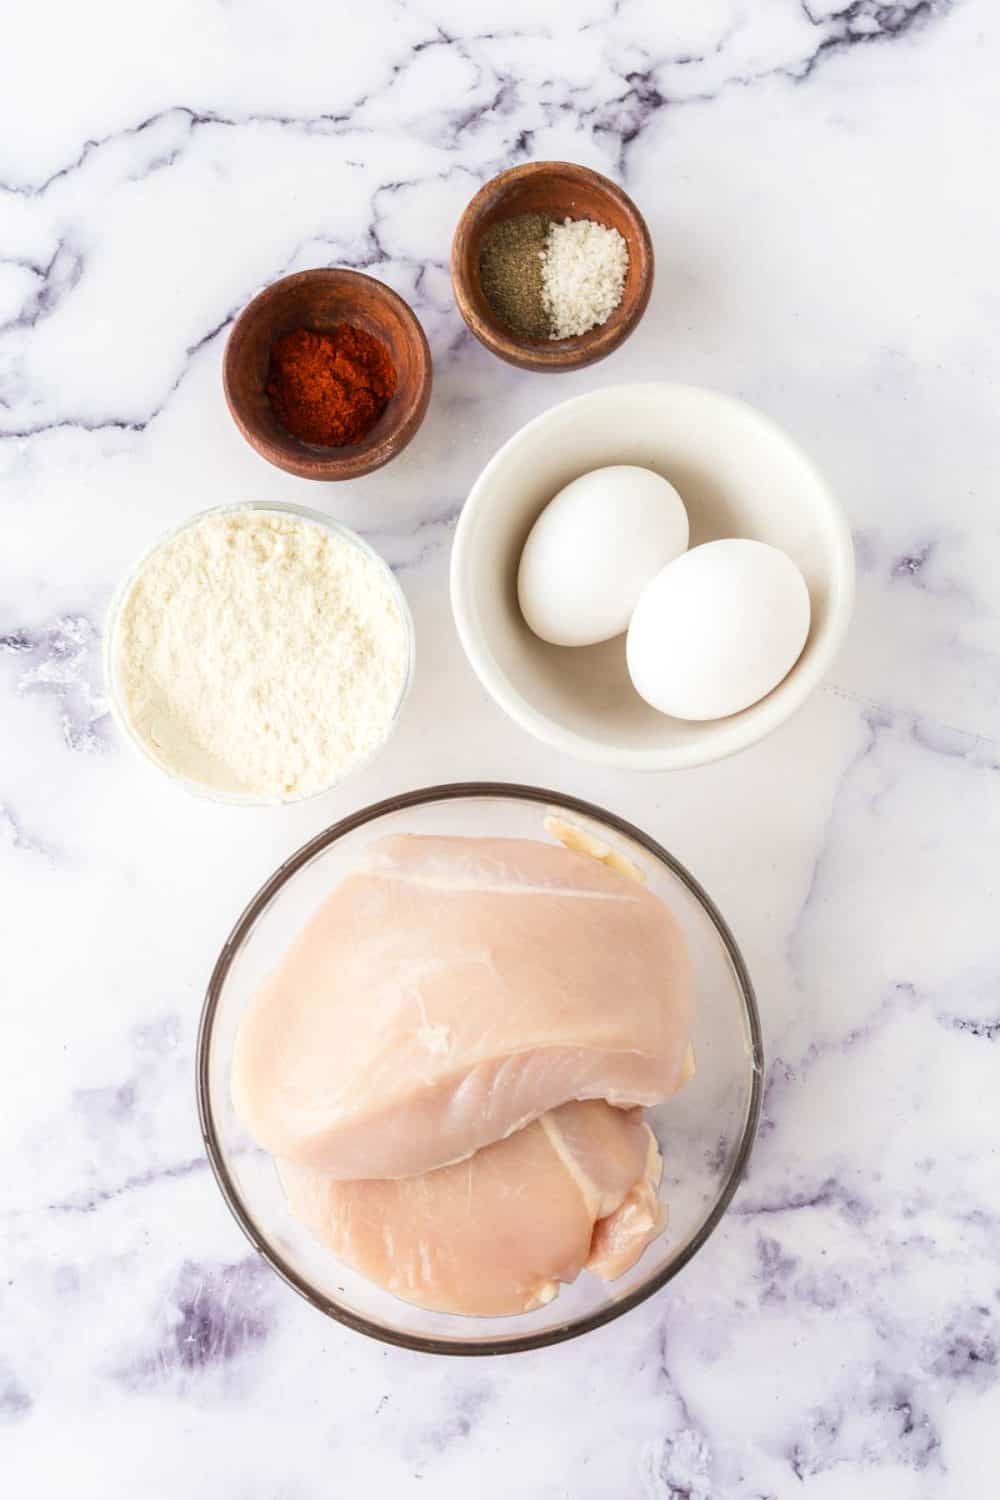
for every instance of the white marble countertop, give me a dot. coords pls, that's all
(819, 180)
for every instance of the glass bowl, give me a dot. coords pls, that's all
(116, 698)
(705, 1131)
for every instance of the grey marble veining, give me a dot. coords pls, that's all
(818, 179)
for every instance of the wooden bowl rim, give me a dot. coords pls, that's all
(296, 457)
(562, 354)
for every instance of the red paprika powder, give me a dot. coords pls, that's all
(329, 388)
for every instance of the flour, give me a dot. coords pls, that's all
(258, 654)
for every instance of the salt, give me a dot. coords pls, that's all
(583, 276)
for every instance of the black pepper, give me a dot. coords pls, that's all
(510, 273)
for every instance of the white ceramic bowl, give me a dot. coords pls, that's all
(738, 474)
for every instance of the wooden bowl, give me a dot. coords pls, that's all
(565, 191)
(318, 300)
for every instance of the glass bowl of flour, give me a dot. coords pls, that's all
(259, 654)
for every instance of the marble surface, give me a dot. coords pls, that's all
(817, 176)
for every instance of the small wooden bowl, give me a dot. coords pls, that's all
(565, 191)
(318, 300)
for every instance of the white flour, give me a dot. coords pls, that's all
(257, 653)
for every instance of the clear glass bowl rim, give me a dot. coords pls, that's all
(241, 931)
(117, 707)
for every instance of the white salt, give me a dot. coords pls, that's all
(583, 275)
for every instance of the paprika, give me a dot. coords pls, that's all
(329, 388)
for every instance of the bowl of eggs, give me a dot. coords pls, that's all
(651, 576)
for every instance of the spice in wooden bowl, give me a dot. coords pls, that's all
(510, 269)
(552, 280)
(558, 191)
(321, 300)
(329, 388)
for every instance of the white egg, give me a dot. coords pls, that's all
(717, 629)
(592, 551)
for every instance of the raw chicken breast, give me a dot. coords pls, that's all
(621, 1237)
(497, 1233)
(449, 992)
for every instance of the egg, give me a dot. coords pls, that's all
(717, 629)
(593, 549)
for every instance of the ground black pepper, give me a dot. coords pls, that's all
(510, 272)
